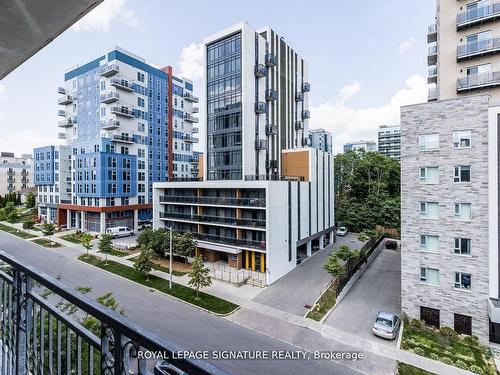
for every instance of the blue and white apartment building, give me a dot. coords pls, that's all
(126, 124)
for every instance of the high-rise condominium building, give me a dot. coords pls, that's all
(450, 181)
(266, 196)
(462, 54)
(366, 146)
(389, 141)
(321, 139)
(127, 124)
(16, 173)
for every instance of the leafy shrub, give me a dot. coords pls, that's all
(448, 332)
(447, 360)
(471, 340)
(418, 350)
(416, 323)
(461, 364)
(434, 356)
(476, 369)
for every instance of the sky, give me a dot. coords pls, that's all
(366, 58)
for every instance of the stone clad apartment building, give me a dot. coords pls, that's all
(450, 179)
(266, 197)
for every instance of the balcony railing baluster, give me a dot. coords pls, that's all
(39, 338)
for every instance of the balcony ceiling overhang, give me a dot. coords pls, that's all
(26, 26)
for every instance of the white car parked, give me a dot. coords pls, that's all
(120, 232)
(342, 231)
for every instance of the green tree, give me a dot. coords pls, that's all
(13, 217)
(145, 263)
(87, 241)
(9, 208)
(367, 188)
(184, 244)
(105, 246)
(344, 253)
(28, 223)
(30, 200)
(157, 240)
(333, 266)
(199, 277)
(48, 229)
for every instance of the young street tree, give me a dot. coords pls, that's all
(184, 244)
(13, 217)
(105, 246)
(199, 276)
(87, 242)
(28, 224)
(333, 266)
(145, 263)
(30, 200)
(48, 229)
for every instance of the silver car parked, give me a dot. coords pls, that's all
(386, 325)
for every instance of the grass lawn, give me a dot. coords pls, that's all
(405, 369)
(118, 253)
(16, 232)
(182, 292)
(447, 346)
(174, 272)
(46, 243)
(326, 302)
(72, 238)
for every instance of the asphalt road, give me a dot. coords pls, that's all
(187, 326)
(304, 284)
(378, 289)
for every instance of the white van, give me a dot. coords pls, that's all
(120, 232)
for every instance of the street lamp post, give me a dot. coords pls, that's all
(170, 260)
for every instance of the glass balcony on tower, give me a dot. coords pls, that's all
(261, 144)
(478, 48)
(260, 107)
(189, 138)
(190, 97)
(67, 122)
(110, 70)
(306, 87)
(121, 84)
(306, 114)
(432, 77)
(271, 95)
(299, 125)
(196, 110)
(432, 55)
(299, 97)
(477, 14)
(61, 112)
(271, 130)
(66, 99)
(122, 111)
(110, 124)
(260, 70)
(109, 97)
(61, 90)
(432, 33)
(271, 60)
(189, 117)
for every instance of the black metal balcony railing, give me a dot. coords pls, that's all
(478, 15)
(223, 201)
(37, 337)
(215, 219)
(261, 245)
(268, 177)
(186, 179)
(477, 81)
(478, 48)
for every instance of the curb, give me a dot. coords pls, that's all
(400, 335)
(165, 294)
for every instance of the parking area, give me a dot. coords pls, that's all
(304, 284)
(378, 289)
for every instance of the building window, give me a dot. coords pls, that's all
(429, 210)
(462, 324)
(462, 281)
(462, 246)
(429, 276)
(462, 173)
(463, 211)
(429, 142)
(462, 139)
(429, 175)
(429, 243)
